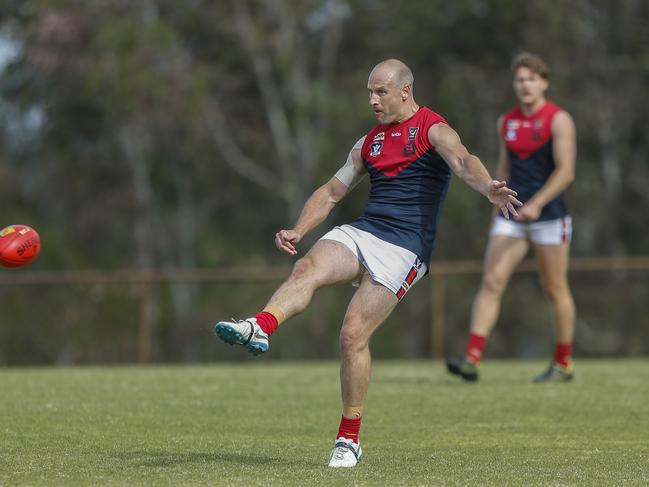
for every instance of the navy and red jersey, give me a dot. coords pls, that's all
(529, 147)
(408, 183)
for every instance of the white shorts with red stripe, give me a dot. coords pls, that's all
(396, 268)
(548, 232)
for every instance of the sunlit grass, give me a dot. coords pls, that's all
(274, 423)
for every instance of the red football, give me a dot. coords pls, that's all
(19, 245)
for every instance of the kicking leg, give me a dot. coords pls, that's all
(328, 262)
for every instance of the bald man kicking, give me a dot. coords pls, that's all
(409, 156)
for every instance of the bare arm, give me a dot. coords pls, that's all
(503, 167)
(565, 154)
(502, 170)
(447, 143)
(321, 202)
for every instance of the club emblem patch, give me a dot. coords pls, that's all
(512, 127)
(375, 148)
(409, 149)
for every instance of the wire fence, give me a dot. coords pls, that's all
(145, 279)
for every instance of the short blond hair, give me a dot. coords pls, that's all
(532, 62)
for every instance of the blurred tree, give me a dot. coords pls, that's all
(290, 49)
(181, 134)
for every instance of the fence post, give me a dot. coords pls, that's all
(145, 325)
(438, 294)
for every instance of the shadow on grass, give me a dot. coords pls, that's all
(166, 459)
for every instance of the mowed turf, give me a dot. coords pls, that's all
(268, 423)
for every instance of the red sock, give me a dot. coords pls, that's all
(267, 322)
(349, 428)
(562, 353)
(475, 347)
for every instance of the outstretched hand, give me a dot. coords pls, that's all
(286, 240)
(503, 198)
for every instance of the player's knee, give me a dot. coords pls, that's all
(493, 283)
(352, 336)
(303, 268)
(556, 290)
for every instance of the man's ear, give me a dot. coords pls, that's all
(405, 92)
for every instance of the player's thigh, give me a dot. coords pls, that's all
(553, 265)
(371, 304)
(330, 262)
(503, 255)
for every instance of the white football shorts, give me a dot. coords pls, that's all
(549, 232)
(396, 268)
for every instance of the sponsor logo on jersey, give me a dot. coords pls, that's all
(513, 124)
(375, 148)
(379, 136)
(396, 134)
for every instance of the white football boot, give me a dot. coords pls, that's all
(243, 332)
(346, 453)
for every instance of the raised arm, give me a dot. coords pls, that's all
(447, 143)
(564, 147)
(323, 199)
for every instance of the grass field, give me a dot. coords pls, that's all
(273, 424)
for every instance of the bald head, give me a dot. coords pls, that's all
(394, 72)
(390, 90)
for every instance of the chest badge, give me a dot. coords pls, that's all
(410, 148)
(375, 148)
(512, 127)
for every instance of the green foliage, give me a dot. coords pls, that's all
(185, 134)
